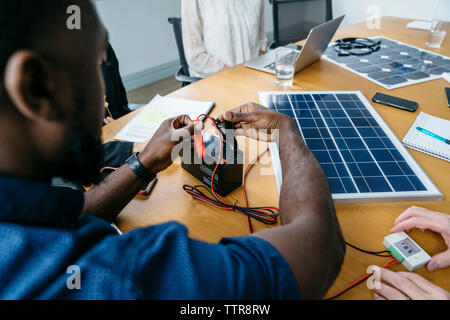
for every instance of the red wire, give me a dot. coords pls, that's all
(392, 262)
(226, 205)
(107, 168)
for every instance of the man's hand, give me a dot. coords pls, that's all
(112, 195)
(423, 219)
(306, 208)
(407, 286)
(257, 122)
(156, 156)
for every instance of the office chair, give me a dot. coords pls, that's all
(293, 19)
(182, 74)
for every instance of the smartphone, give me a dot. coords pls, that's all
(395, 102)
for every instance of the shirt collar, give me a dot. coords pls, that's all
(38, 203)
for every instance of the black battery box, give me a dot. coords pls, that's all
(204, 157)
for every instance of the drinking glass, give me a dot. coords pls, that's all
(437, 33)
(439, 25)
(285, 67)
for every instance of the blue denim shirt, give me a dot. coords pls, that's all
(49, 251)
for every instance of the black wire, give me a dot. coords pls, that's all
(249, 211)
(377, 253)
(348, 46)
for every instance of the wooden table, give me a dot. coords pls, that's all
(364, 225)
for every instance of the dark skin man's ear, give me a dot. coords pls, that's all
(30, 87)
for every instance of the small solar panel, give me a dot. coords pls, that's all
(395, 65)
(361, 157)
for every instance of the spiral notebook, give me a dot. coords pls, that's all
(419, 141)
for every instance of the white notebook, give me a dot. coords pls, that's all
(142, 127)
(419, 141)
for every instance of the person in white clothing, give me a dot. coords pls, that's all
(218, 34)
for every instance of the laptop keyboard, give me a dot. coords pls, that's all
(270, 66)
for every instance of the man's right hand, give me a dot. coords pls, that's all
(157, 154)
(257, 122)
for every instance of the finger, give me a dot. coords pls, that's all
(234, 110)
(377, 296)
(252, 107)
(220, 118)
(390, 293)
(248, 107)
(181, 121)
(236, 117)
(250, 133)
(422, 283)
(191, 128)
(235, 125)
(400, 283)
(432, 223)
(439, 261)
(412, 212)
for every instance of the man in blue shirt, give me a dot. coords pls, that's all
(57, 243)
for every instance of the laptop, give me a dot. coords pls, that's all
(317, 42)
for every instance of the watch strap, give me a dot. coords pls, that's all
(138, 168)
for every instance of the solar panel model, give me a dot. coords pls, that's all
(395, 65)
(360, 155)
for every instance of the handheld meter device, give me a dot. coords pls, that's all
(406, 251)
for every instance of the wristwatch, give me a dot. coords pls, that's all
(138, 168)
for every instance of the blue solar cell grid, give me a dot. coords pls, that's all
(355, 153)
(395, 64)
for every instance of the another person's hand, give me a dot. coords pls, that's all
(407, 286)
(108, 120)
(416, 217)
(157, 154)
(256, 121)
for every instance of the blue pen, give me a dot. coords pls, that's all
(431, 134)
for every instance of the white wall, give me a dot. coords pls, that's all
(143, 39)
(145, 45)
(139, 31)
(356, 10)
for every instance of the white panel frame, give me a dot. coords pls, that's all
(431, 194)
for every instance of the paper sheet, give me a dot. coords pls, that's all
(142, 127)
(421, 25)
